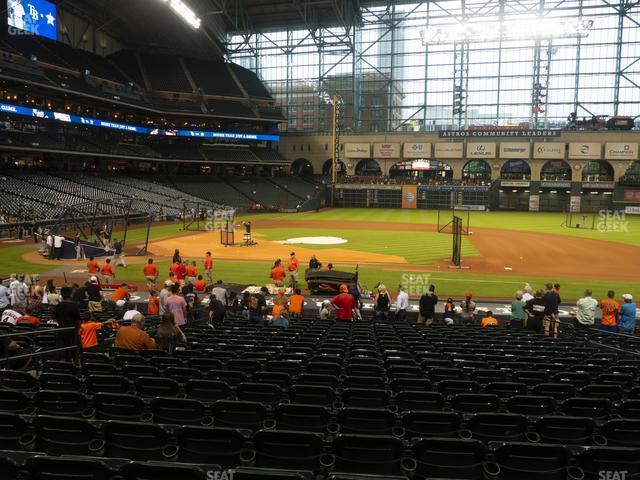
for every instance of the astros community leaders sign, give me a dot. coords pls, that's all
(498, 133)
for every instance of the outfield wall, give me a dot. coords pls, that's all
(548, 196)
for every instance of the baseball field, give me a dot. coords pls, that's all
(504, 251)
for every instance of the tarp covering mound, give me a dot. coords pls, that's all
(329, 280)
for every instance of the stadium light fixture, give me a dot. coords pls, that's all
(183, 11)
(524, 29)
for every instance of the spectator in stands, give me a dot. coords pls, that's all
(37, 300)
(151, 274)
(314, 264)
(518, 315)
(5, 299)
(67, 314)
(164, 294)
(586, 312)
(108, 273)
(292, 266)
(402, 304)
(280, 301)
(344, 304)
(467, 309)
(277, 273)
(29, 318)
(610, 309)
(168, 335)
(326, 310)
(536, 308)
(134, 337)
(118, 254)
(153, 304)
(627, 318)
(78, 293)
(217, 311)
(208, 268)
(200, 286)
(176, 256)
(527, 295)
(220, 292)
(382, 303)
(176, 305)
(51, 292)
(57, 246)
(282, 319)
(19, 291)
(258, 306)
(233, 303)
(427, 307)
(296, 302)
(131, 312)
(192, 272)
(94, 296)
(449, 312)
(355, 292)
(89, 333)
(489, 320)
(11, 315)
(245, 304)
(552, 300)
(93, 267)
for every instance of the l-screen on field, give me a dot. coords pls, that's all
(503, 250)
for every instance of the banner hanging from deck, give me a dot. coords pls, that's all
(409, 196)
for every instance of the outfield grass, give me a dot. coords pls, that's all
(541, 222)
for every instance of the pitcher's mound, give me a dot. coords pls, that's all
(313, 241)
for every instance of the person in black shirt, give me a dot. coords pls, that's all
(383, 303)
(552, 300)
(428, 303)
(314, 264)
(79, 294)
(67, 314)
(258, 306)
(176, 256)
(536, 310)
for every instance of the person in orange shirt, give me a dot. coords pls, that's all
(172, 278)
(89, 333)
(610, 309)
(200, 285)
(153, 308)
(296, 301)
(208, 268)
(151, 273)
(292, 267)
(121, 293)
(192, 272)
(108, 273)
(175, 266)
(279, 302)
(489, 320)
(28, 318)
(277, 273)
(93, 267)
